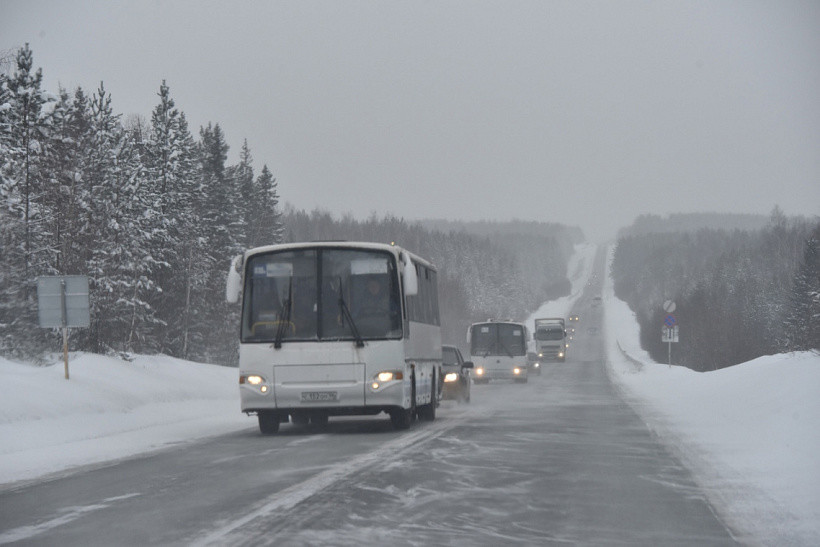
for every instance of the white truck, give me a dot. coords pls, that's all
(550, 336)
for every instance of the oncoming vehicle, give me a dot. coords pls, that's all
(550, 339)
(336, 328)
(533, 363)
(498, 350)
(455, 372)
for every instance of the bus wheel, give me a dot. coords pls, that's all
(268, 422)
(401, 418)
(428, 412)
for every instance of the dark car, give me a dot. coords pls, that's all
(533, 363)
(455, 372)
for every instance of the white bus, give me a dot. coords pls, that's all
(334, 329)
(498, 350)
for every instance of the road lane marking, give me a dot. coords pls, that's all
(72, 514)
(289, 497)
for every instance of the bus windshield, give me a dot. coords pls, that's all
(321, 294)
(498, 339)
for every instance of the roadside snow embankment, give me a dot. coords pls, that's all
(108, 409)
(747, 432)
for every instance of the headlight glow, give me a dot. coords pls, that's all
(516, 370)
(479, 371)
(252, 379)
(450, 377)
(389, 375)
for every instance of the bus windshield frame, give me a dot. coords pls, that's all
(321, 294)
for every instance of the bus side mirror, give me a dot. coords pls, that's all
(411, 280)
(233, 286)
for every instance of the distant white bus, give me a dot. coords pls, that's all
(498, 350)
(336, 328)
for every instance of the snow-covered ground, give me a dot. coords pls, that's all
(749, 433)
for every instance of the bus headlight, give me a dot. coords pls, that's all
(384, 377)
(451, 377)
(389, 376)
(255, 381)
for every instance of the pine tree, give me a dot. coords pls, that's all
(124, 223)
(212, 319)
(803, 308)
(242, 179)
(265, 225)
(171, 159)
(25, 126)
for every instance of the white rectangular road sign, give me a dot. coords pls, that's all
(669, 334)
(62, 301)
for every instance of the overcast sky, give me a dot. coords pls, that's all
(584, 113)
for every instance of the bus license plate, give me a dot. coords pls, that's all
(319, 396)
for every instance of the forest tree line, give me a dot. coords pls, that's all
(739, 293)
(153, 216)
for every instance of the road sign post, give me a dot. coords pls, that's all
(669, 331)
(62, 302)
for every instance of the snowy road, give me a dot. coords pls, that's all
(559, 460)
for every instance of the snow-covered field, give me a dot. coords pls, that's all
(749, 433)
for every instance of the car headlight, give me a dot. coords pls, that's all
(479, 371)
(537, 365)
(451, 377)
(516, 371)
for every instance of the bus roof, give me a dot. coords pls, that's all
(367, 245)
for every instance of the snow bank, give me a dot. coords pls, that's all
(108, 409)
(748, 432)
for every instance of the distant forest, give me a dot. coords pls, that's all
(740, 293)
(153, 216)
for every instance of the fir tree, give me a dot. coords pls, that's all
(803, 308)
(25, 126)
(265, 224)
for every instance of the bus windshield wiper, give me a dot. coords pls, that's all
(284, 322)
(349, 317)
(508, 352)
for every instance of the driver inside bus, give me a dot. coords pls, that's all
(377, 304)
